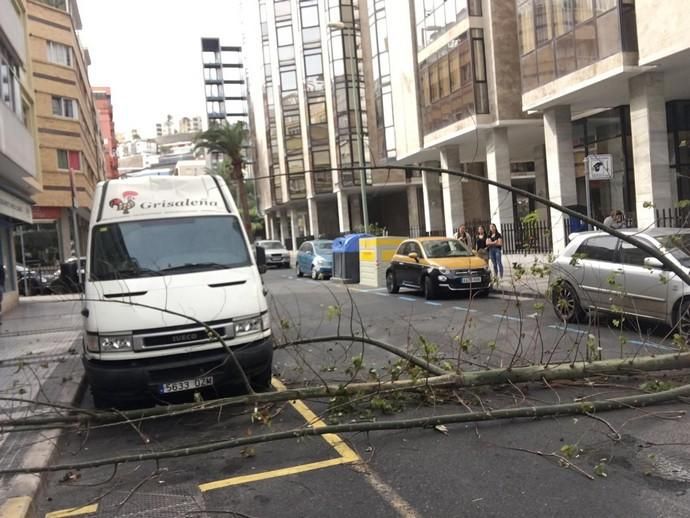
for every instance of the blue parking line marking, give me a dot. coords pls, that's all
(459, 308)
(408, 299)
(432, 303)
(653, 345)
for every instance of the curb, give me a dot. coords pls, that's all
(504, 292)
(26, 489)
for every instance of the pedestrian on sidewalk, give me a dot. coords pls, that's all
(480, 243)
(2, 288)
(494, 242)
(464, 236)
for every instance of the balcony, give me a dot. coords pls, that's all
(17, 151)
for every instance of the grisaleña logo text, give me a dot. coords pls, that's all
(177, 203)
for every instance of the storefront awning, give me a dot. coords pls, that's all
(13, 207)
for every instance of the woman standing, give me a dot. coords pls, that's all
(480, 242)
(494, 242)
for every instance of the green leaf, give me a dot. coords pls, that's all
(647, 205)
(682, 204)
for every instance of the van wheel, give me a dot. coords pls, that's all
(298, 272)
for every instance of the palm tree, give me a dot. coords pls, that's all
(229, 141)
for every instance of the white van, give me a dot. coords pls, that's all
(164, 254)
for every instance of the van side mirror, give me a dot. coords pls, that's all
(653, 262)
(260, 252)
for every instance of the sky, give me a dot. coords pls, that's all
(149, 53)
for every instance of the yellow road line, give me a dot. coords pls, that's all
(347, 454)
(265, 475)
(311, 418)
(74, 511)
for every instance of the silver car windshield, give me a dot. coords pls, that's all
(678, 245)
(271, 245)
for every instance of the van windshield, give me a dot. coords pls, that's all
(166, 247)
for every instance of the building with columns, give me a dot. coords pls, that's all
(311, 114)
(610, 77)
(518, 91)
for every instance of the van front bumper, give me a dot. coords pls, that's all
(137, 379)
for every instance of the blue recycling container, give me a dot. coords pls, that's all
(346, 257)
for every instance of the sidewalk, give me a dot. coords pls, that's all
(39, 361)
(524, 276)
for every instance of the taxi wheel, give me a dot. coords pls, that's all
(298, 271)
(683, 319)
(430, 290)
(391, 286)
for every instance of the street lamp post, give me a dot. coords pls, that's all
(354, 70)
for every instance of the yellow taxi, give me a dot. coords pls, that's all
(437, 264)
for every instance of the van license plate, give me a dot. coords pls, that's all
(179, 386)
(473, 280)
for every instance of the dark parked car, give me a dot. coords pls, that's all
(67, 277)
(30, 282)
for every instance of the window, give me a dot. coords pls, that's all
(602, 248)
(526, 28)
(174, 246)
(284, 35)
(543, 22)
(317, 112)
(630, 254)
(454, 63)
(64, 107)
(288, 80)
(59, 54)
(313, 65)
(9, 81)
(310, 16)
(68, 159)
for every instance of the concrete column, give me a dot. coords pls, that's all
(283, 226)
(413, 209)
(560, 162)
(498, 170)
(343, 211)
(653, 179)
(267, 226)
(65, 234)
(540, 180)
(453, 204)
(433, 202)
(272, 226)
(313, 215)
(293, 228)
(356, 212)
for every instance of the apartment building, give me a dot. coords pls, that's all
(70, 144)
(311, 115)
(20, 177)
(610, 77)
(104, 106)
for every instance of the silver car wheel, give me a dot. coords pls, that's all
(565, 302)
(683, 320)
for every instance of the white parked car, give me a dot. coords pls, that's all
(597, 271)
(276, 253)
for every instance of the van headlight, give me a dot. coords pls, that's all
(115, 343)
(247, 326)
(265, 320)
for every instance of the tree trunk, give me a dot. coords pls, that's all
(242, 192)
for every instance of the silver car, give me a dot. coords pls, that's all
(600, 272)
(276, 253)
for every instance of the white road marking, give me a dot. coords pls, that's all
(380, 294)
(507, 317)
(433, 303)
(408, 299)
(652, 344)
(460, 308)
(570, 329)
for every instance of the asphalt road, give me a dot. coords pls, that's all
(502, 468)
